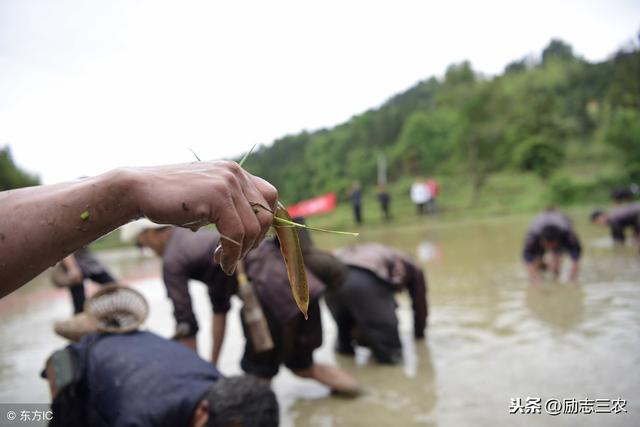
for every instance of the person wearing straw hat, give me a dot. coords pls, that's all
(185, 256)
(40, 225)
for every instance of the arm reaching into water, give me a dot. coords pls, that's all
(533, 273)
(575, 268)
(41, 225)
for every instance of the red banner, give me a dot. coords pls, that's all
(317, 205)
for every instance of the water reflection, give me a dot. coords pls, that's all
(395, 395)
(428, 251)
(559, 305)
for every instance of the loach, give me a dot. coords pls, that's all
(292, 254)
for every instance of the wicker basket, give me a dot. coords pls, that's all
(117, 309)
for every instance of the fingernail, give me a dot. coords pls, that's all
(217, 254)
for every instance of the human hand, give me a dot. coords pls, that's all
(200, 193)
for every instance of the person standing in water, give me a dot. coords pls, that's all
(80, 266)
(551, 232)
(619, 219)
(364, 305)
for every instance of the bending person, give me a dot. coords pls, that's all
(550, 232)
(619, 220)
(187, 256)
(41, 225)
(142, 379)
(364, 306)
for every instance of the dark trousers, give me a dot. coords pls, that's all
(357, 213)
(364, 309)
(77, 290)
(294, 342)
(385, 210)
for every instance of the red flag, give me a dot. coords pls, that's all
(317, 205)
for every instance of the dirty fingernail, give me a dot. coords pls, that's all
(217, 254)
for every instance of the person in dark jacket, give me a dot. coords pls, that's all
(550, 232)
(140, 379)
(619, 219)
(361, 282)
(295, 338)
(364, 305)
(187, 256)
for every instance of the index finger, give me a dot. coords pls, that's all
(231, 232)
(261, 194)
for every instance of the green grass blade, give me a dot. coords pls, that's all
(194, 153)
(288, 223)
(246, 155)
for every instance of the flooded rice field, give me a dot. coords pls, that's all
(492, 338)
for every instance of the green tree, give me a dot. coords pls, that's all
(10, 175)
(623, 133)
(481, 140)
(557, 49)
(426, 142)
(539, 155)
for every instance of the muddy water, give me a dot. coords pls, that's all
(491, 337)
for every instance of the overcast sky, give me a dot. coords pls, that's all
(86, 86)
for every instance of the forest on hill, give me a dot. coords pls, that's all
(11, 176)
(573, 124)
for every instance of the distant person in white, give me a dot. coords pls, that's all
(420, 196)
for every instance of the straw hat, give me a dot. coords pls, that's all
(113, 309)
(129, 232)
(117, 309)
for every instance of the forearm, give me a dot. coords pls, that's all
(532, 271)
(575, 268)
(219, 328)
(41, 225)
(556, 259)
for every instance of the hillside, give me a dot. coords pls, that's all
(571, 124)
